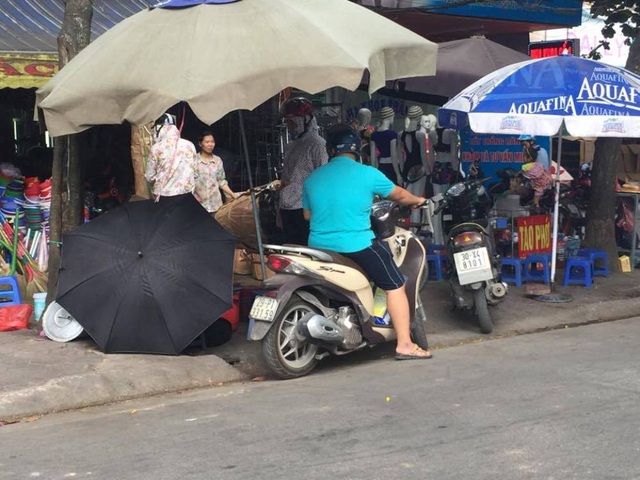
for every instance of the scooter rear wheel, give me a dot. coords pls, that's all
(286, 355)
(482, 311)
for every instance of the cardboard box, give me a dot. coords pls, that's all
(629, 162)
(625, 263)
(257, 271)
(587, 151)
(635, 156)
(242, 262)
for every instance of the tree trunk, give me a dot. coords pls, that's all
(600, 231)
(66, 182)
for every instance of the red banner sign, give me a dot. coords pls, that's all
(534, 234)
(27, 70)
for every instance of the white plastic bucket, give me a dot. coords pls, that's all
(59, 325)
(39, 302)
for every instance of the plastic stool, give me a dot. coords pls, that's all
(536, 267)
(433, 248)
(594, 255)
(12, 295)
(578, 271)
(512, 270)
(438, 266)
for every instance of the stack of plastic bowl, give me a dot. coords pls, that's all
(32, 211)
(12, 199)
(45, 203)
(4, 181)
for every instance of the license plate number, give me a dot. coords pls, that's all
(473, 265)
(264, 308)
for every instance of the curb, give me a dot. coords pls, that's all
(126, 377)
(117, 379)
(585, 314)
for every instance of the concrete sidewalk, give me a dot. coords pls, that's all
(40, 376)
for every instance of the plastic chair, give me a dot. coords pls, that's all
(433, 248)
(536, 267)
(511, 270)
(438, 267)
(595, 255)
(578, 271)
(11, 296)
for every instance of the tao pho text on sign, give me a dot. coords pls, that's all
(534, 234)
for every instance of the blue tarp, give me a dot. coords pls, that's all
(34, 25)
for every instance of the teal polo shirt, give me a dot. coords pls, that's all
(339, 195)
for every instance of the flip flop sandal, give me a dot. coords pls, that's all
(412, 355)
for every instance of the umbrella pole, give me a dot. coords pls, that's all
(554, 238)
(555, 297)
(254, 204)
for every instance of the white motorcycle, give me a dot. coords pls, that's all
(321, 303)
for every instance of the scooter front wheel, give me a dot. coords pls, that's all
(482, 311)
(286, 355)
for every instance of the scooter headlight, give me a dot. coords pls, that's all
(456, 190)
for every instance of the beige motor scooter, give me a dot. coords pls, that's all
(321, 303)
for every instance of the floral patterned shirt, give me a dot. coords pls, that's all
(210, 177)
(171, 163)
(301, 157)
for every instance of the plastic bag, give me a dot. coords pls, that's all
(15, 317)
(625, 218)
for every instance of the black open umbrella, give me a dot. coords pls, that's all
(147, 277)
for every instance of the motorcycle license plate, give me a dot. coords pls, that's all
(473, 265)
(264, 308)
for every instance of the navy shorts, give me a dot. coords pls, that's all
(378, 263)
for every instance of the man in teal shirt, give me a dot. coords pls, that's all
(337, 200)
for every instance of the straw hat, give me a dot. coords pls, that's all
(386, 112)
(414, 112)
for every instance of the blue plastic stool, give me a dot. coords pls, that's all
(433, 248)
(536, 267)
(594, 255)
(511, 270)
(438, 267)
(577, 271)
(10, 296)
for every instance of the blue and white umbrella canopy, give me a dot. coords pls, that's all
(539, 96)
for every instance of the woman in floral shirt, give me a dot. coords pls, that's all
(210, 176)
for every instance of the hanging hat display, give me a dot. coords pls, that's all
(386, 112)
(414, 112)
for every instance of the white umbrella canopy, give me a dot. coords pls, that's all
(224, 57)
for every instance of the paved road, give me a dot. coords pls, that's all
(556, 405)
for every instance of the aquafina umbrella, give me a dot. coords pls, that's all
(545, 96)
(538, 97)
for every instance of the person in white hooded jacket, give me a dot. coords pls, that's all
(171, 163)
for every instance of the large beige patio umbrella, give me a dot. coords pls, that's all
(227, 56)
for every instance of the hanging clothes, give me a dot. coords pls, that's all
(413, 169)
